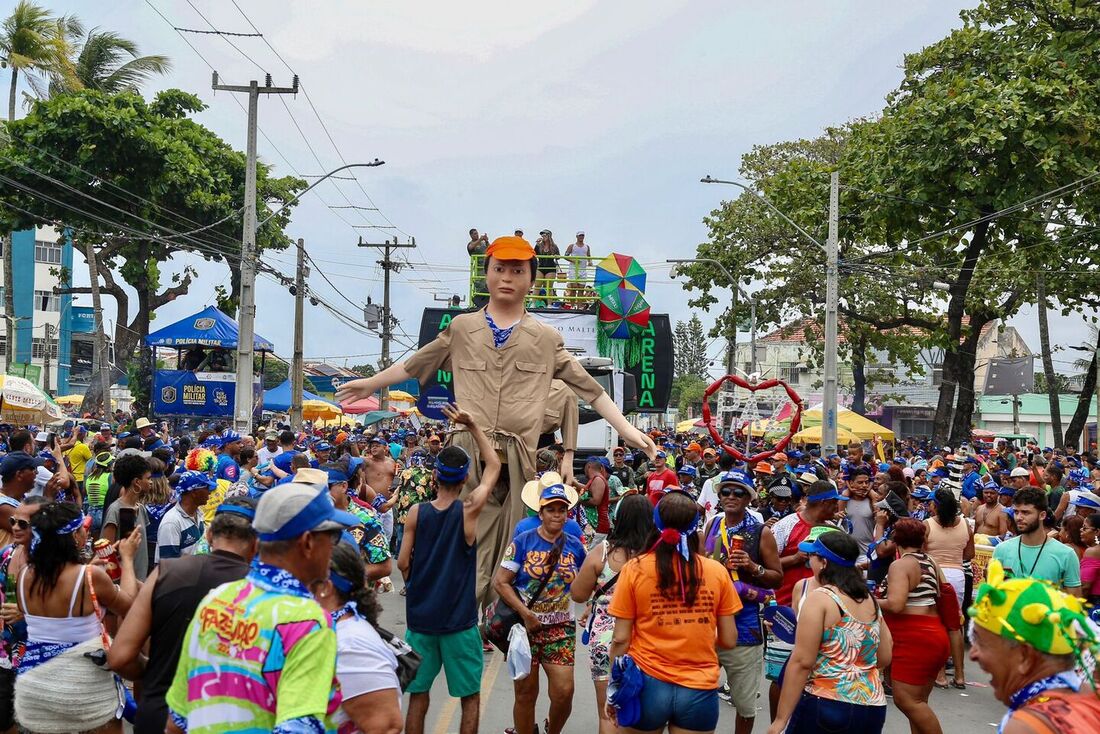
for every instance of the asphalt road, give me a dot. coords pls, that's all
(973, 710)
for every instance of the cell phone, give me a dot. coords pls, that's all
(127, 521)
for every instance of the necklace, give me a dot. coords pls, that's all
(1030, 691)
(1020, 555)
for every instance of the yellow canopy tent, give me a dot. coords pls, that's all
(813, 435)
(864, 428)
(688, 425)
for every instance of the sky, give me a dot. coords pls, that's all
(498, 115)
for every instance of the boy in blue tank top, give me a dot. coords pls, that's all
(438, 560)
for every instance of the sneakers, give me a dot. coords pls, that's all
(724, 693)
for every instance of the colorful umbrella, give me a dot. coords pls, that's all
(22, 402)
(623, 312)
(617, 272)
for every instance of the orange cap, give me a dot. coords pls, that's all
(780, 457)
(763, 467)
(510, 248)
(694, 446)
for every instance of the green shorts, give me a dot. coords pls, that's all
(458, 653)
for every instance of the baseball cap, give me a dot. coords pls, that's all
(300, 506)
(662, 455)
(694, 446)
(711, 452)
(688, 470)
(510, 248)
(780, 457)
(580, 233)
(831, 494)
(322, 446)
(741, 478)
(190, 480)
(229, 436)
(17, 461)
(335, 476)
(1019, 472)
(271, 436)
(764, 467)
(554, 493)
(921, 493)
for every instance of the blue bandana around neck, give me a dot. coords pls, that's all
(500, 336)
(273, 578)
(1019, 698)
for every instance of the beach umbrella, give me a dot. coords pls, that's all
(319, 410)
(23, 402)
(623, 313)
(616, 272)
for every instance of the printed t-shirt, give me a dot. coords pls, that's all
(259, 652)
(178, 534)
(526, 556)
(78, 457)
(671, 641)
(655, 483)
(572, 527)
(413, 488)
(1052, 561)
(227, 469)
(370, 536)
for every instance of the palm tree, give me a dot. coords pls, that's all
(1084, 400)
(107, 62)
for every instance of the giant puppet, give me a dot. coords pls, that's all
(503, 361)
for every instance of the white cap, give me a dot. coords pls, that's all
(1019, 472)
(42, 437)
(580, 233)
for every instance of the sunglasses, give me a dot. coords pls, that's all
(739, 493)
(16, 523)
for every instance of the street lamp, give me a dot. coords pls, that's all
(730, 362)
(829, 402)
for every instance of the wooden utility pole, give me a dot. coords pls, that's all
(103, 371)
(297, 363)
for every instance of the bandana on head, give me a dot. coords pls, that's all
(673, 536)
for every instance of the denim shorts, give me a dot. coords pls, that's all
(816, 715)
(669, 704)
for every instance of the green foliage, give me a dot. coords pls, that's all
(690, 348)
(1062, 384)
(106, 61)
(998, 112)
(687, 393)
(366, 370)
(32, 41)
(276, 370)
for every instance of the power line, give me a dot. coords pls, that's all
(217, 33)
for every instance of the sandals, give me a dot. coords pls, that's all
(942, 686)
(958, 684)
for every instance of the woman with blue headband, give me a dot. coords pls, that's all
(833, 680)
(669, 605)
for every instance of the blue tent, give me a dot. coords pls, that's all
(277, 399)
(209, 328)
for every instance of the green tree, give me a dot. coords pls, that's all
(1059, 386)
(107, 62)
(276, 370)
(140, 181)
(30, 42)
(975, 174)
(1088, 388)
(688, 391)
(366, 370)
(690, 348)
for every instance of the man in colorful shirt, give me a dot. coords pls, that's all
(260, 654)
(227, 467)
(414, 486)
(367, 532)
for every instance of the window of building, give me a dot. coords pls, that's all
(917, 427)
(46, 301)
(789, 372)
(47, 252)
(38, 348)
(937, 375)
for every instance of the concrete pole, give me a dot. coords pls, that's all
(297, 363)
(829, 408)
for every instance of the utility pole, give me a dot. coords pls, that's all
(48, 328)
(297, 363)
(832, 247)
(1016, 414)
(387, 319)
(104, 370)
(247, 313)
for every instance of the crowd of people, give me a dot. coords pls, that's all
(209, 581)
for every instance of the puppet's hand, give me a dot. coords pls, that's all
(642, 441)
(355, 390)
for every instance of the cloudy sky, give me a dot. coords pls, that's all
(577, 114)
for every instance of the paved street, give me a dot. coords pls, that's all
(974, 710)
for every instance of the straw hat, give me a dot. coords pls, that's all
(533, 490)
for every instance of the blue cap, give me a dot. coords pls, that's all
(322, 446)
(883, 466)
(211, 442)
(124, 434)
(737, 476)
(298, 507)
(17, 461)
(375, 439)
(832, 494)
(796, 454)
(689, 470)
(920, 493)
(972, 460)
(669, 445)
(1006, 490)
(190, 480)
(817, 548)
(46, 456)
(662, 455)
(335, 476)
(229, 436)
(938, 472)
(1047, 448)
(1086, 499)
(628, 457)
(554, 493)
(833, 456)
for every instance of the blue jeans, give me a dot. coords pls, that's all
(667, 703)
(97, 517)
(815, 714)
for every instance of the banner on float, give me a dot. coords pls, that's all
(182, 393)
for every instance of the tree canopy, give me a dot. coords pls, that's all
(140, 180)
(979, 172)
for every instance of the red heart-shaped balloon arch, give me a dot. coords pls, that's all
(796, 419)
